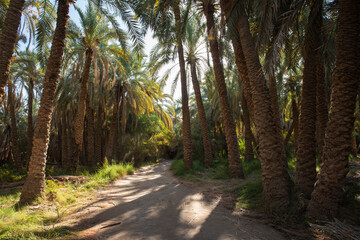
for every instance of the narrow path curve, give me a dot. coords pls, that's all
(152, 204)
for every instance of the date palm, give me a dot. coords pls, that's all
(93, 32)
(8, 40)
(328, 188)
(35, 182)
(274, 175)
(235, 166)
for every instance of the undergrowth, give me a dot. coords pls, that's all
(39, 221)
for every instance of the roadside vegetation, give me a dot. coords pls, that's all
(40, 220)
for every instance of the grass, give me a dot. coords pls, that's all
(40, 221)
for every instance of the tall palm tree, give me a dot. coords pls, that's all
(275, 179)
(193, 43)
(8, 40)
(306, 152)
(328, 189)
(235, 166)
(94, 31)
(35, 182)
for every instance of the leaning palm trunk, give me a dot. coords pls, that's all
(30, 129)
(35, 182)
(186, 127)
(80, 114)
(235, 166)
(275, 178)
(14, 132)
(202, 116)
(328, 189)
(306, 152)
(8, 40)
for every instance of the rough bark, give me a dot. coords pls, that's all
(30, 128)
(235, 166)
(81, 110)
(249, 153)
(275, 108)
(35, 182)
(8, 40)
(328, 189)
(306, 152)
(90, 133)
(274, 175)
(98, 134)
(202, 116)
(186, 127)
(123, 126)
(14, 131)
(322, 114)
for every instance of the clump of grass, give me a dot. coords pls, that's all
(178, 168)
(9, 174)
(250, 195)
(39, 222)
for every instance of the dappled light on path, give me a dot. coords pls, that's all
(152, 204)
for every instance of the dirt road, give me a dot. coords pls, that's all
(152, 204)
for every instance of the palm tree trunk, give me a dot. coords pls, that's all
(275, 108)
(35, 182)
(249, 153)
(30, 129)
(328, 189)
(109, 152)
(8, 40)
(90, 133)
(202, 116)
(275, 179)
(98, 134)
(322, 114)
(306, 152)
(80, 114)
(123, 126)
(186, 127)
(14, 131)
(235, 166)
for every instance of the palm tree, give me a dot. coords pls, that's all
(274, 175)
(306, 152)
(235, 167)
(328, 188)
(8, 40)
(35, 182)
(94, 31)
(193, 43)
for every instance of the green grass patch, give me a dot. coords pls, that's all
(39, 221)
(250, 195)
(9, 174)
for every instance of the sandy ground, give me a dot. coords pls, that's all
(152, 204)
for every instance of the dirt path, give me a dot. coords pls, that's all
(152, 204)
